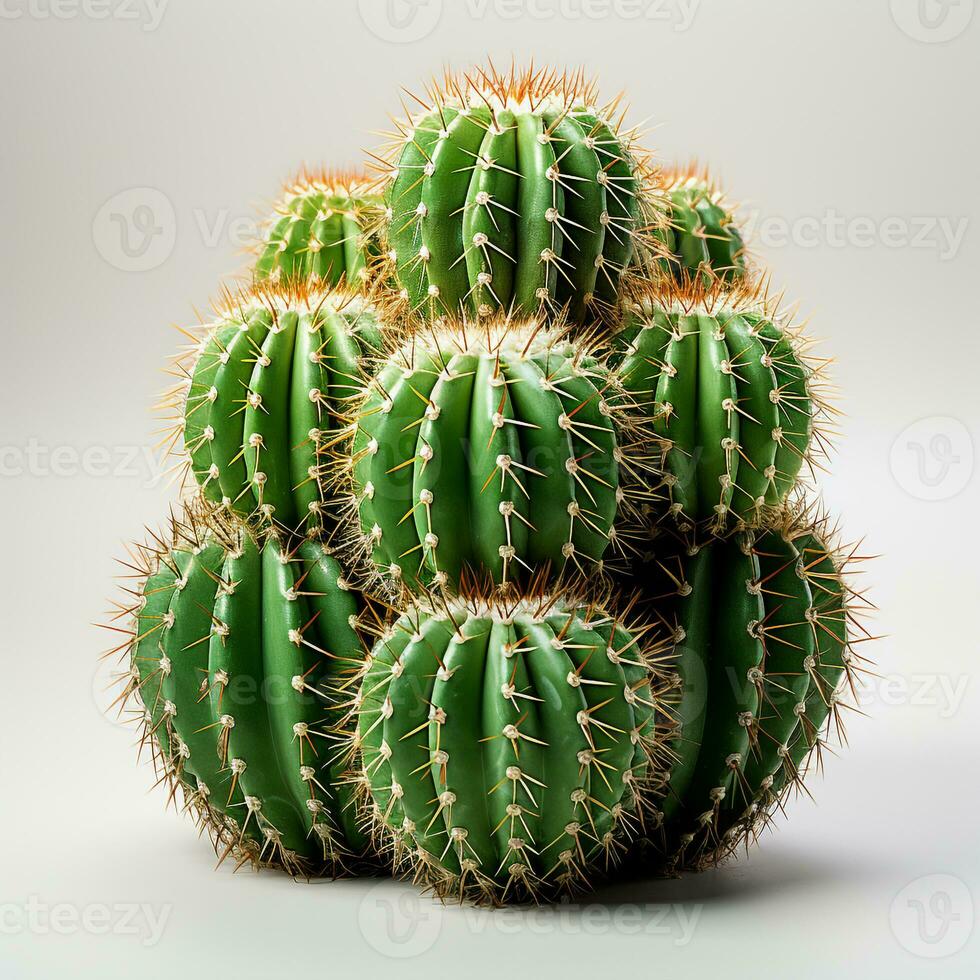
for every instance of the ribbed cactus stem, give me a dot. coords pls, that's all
(513, 190)
(262, 394)
(700, 236)
(240, 653)
(738, 404)
(764, 624)
(500, 448)
(506, 743)
(323, 228)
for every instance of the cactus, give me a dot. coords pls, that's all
(737, 401)
(238, 655)
(513, 191)
(505, 744)
(700, 236)
(522, 385)
(765, 625)
(501, 447)
(260, 394)
(323, 229)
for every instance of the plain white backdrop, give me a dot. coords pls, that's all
(140, 137)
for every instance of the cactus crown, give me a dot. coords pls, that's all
(331, 182)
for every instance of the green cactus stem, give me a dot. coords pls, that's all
(738, 405)
(513, 191)
(766, 624)
(700, 235)
(239, 654)
(502, 447)
(261, 393)
(505, 744)
(323, 228)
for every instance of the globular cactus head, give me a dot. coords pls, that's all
(503, 446)
(237, 656)
(324, 227)
(506, 743)
(768, 627)
(700, 235)
(739, 405)
(517, 189)
(260, 393)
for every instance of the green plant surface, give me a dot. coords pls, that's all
(324, 229)
(513, 191)
(505, 743)
(241, 655)
(502, 449)
(262, 396)
(700, 236)
(737, 403)
(764, 623)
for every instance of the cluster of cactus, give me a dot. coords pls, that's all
(494, 564)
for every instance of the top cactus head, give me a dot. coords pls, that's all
(513, 190)
(701, 236)
(323, 228)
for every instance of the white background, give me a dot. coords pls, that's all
(850, 132)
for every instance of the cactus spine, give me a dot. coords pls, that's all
(323, 229)
(736, 401)
(513, 191)
(505, 743)
(260, 395)
(239, 653)
(502, 447)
